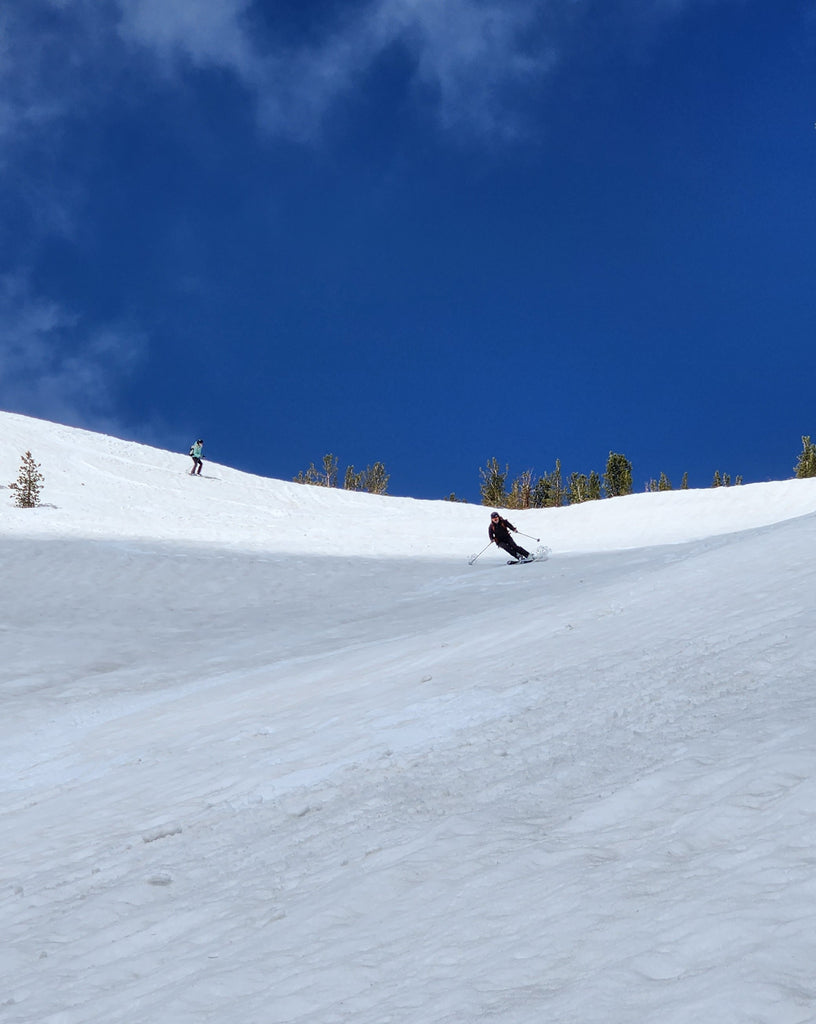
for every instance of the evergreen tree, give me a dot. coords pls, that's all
(663, 484)
(29, 482)
(375, 479)
(724, 480)
(581, 487)
(492, 486)
(550, 491)
(578, 488)
(310, 476)
(330, 470)
(327, 477)
(521, 491)
(352, 481)
(806, 463)
(618, 475)
(558, 491)
(684, 482)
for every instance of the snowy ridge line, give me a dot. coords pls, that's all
(103, 487)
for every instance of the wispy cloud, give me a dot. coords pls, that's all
(473, 55)
(62, 61)
(47, 52)
(471, 59)
(54, 366)
(212, 34)
(468, 54)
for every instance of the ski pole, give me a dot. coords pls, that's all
(528, 535)
(473, 558)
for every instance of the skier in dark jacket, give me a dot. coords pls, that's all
(499, 532)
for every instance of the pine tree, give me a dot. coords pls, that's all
(492, 486)
(724, 480)
(578, 488)
(27, 487)
(330, 470)
(618, 475)
(806, 463)
(521, 491)
(352, 481)
(549, 491)
(310, 476)
(684, 482)
(327, 477)
(663, 484)
(558, 492)
(375, 479)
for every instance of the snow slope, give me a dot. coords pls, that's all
(273, 753)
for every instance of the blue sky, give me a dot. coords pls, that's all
(424, 232)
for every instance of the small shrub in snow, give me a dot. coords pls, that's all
(28, 484)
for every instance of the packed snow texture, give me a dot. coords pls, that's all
(276, 754)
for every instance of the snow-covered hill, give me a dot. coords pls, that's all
(102, 487)
(274, 753)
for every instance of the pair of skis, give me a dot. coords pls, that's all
(542, 553)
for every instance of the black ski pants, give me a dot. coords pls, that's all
(513, 550)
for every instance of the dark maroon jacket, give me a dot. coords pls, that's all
(500, 531)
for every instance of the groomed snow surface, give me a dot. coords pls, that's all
(274, 753)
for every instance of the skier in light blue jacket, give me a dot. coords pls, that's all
(195, 452)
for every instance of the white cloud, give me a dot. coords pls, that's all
(54, 367)
(50, 70)
(206, 34)
(468, 53)
(24, 103)
(471, 58)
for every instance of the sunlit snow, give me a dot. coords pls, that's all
(275, 754)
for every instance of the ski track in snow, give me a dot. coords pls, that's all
(247, 784)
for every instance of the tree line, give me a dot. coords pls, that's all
(555, 489)
(373, 479)
(526, 491)
(551, 490)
